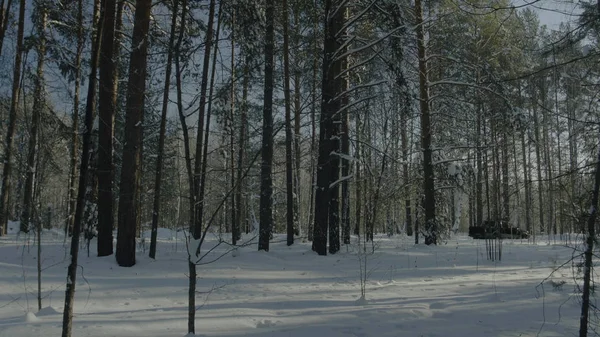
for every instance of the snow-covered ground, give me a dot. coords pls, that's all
(448, 291)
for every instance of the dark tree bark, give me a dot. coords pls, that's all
(266, 180)
(428, 175)
(343, 86)
(405, 167)
(479, 177)
(4, 16)
(505, 182)
(161, 137)
(538, 157)
(289, 170)
(128, 206)
(297, 135)
(588, 253)
(38, 105)
(199, 220)
(358, 191)
(234, 204)
(198, 185)
(241, 155)
(90, 112)
(106, 112)
(12, 119)
(313, 134)
(327, 194)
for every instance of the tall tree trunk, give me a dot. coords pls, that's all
(4, 16)
(505, 183)
(266, 180)
(38, 105)
(161, 138)
(345, 135)
(241, 153)
(428, 175)
(479, 192)
(405, 174)
(234, 205)
(538, 157)
(327, 194)
(527, 183)
(199, 220)
(588, 253)
(106, 107)
(90, 112)
(201, 115)
(12, 119)
(359, 183)
(289, 173)
(75, 126)
(297, 135)
(131, 169)
(313, 134)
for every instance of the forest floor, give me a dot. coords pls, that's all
(450, 290)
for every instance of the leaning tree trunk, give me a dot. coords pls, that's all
(4, 16)
(12, 120)
(131, 169)
(90, 112)
(161, 137)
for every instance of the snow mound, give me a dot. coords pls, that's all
(361, 301)
(47, 311)
(265, 323)
(30, 317)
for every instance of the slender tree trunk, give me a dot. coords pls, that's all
(297, 135)
(75, 126)
(505, 183)
(241, 154)
(38, 106)
(199, 220)
(90, 113)
(289, 173)
(428, 175)
(345, 137)
(234, 204)
(12, 119)
(266, 180)
(359, 195)
(538, 157)
(161, 139)
(526, 182)
(313, 138)
(588, 253)
(480, 169)
(33, 156)
(131, 169)
(106, 108)
(201, 115)
(405, 174)
(4, 16)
